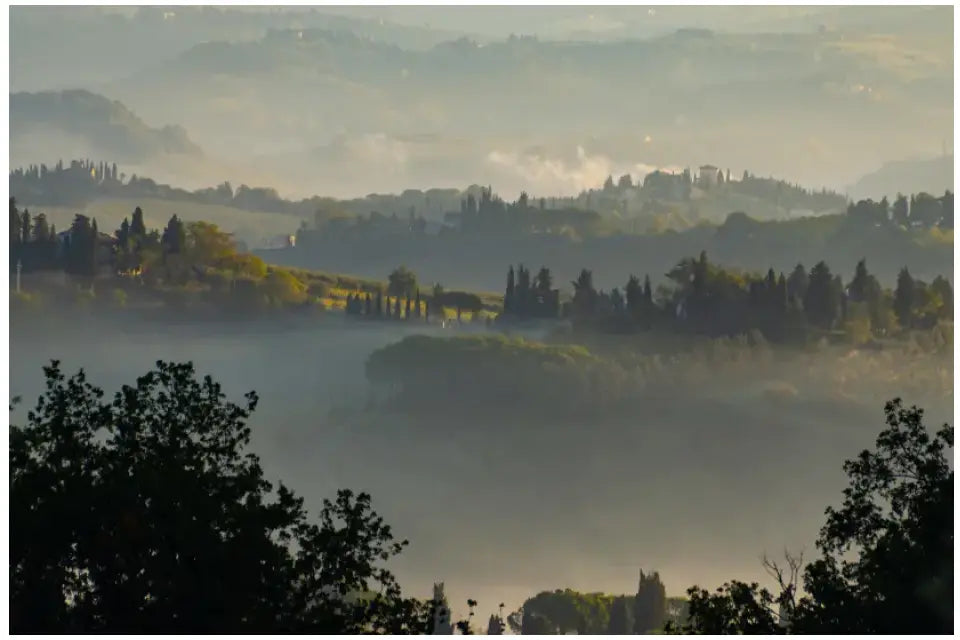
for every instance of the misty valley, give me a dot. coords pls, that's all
(626, 393)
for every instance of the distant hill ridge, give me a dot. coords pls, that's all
(932, 175)
(106, 124)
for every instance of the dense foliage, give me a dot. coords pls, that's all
(471, 370)
(565, 611)
(660, 201)
(886, 562)
(704, 298)
(148, 514)
(584, 376)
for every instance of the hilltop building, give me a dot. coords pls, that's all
(709, 176)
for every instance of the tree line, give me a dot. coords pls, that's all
(703, 297)
(565, 611)
(920, 210)
(407, 303)
(480, 210)
(185, 254)
(621, 195)
(177, 256)
(35, 244)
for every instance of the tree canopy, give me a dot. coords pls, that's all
(886, 562)
(148, 514)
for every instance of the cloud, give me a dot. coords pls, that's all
(374, 150)
(544, 174)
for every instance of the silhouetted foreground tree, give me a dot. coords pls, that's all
(887, 551)
(146, 514)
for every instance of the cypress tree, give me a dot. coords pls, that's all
(91, 249)
(508, 298)
(41, 231)
(25, 227)
(137, 227)
(903, 298)
(15, 223)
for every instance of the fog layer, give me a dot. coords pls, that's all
(695, 484)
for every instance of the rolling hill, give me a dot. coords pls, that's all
(80, 118)
(933, 175)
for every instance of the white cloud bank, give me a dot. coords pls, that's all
(544, 174)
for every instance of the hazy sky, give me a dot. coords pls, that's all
(815, 95)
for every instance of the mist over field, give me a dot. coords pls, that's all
(698, 484)
(650, 276)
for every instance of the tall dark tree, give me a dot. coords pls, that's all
(904, 298)
(380, 303)
(544, 281)
(617, 301)
(81, 251)
(147, 514)
(650, 604)
(584, 295)
(634, 296)
(126, 258)
(138, 228)
(837, 292)
(897, 517)
(509, 298)
(946, 208)
(174, 238)
(860, 282)
(887, 551)
(797, 284)
(900, 212)
(522, 293)
(416, 304)
(822, 300)
(16, 237)
(770, 286)
(41, 229)
(26, 227)
(701, 269)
